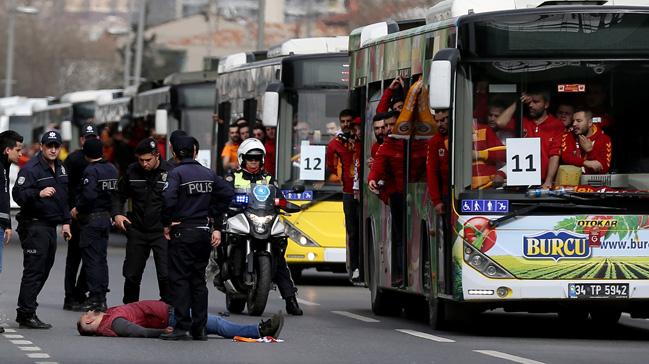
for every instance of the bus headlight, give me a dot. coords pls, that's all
(483, 263)
(299, 238)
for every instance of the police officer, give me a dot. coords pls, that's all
(11, 145)
(75, 279)
(173, 161)
(41, 190)
(251, 155)
(143, 184)
(194, 197)
(93, 210)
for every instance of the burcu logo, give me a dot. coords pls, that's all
(556, 245)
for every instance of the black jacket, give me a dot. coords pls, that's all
(5, 203)
(194, 194)
(144, 189)
(74, 165)
(98, 187)
(34, 177)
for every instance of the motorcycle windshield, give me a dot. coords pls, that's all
(261, 197)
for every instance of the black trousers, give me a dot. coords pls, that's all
(351, 210)
(94, 246)
(39, 249)
(189, 252)
(397, 209)
(138, 248)
(283, 278)
(75, 278)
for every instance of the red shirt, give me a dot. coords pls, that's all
(550, 131)
(491, 156)
(149, 314)
(389, 163)
(384, 103)
(269, 159)
(345, 150)
(572, 153)
(437, 166)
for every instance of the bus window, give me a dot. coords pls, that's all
(586, 115)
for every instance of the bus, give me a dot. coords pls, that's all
(579, 249)
(82, 105)
(183, 101)
(299, 89)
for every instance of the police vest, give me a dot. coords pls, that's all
(241, 183)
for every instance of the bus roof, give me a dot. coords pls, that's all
(111, 110)
(88, 95)
(180, 78)
(146, 103)
(310, 46)
(20, 106)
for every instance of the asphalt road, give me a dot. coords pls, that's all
(338, 327)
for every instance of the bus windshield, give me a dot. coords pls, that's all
(586, 115)
(314, 121)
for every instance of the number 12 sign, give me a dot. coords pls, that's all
(312, 162)
(523, 161)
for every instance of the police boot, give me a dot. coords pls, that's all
(292, 307)
(72, 304)
(199, 334)
(272, 327)
(31, 321)
(95, 303)
(176, 335)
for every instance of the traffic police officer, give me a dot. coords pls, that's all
(41, 190)
(143, 184)
(193, 197)
(251, 155)
(93, 210)
(75, 279)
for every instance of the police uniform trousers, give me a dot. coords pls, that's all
(351, 210)
(283, 278)
(138, 248)
(75, 279)
(94, 245)
(189, 252)
(38, 241)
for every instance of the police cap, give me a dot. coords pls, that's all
(183, 146)
(89, 130)
(146, 146)
(51, 137)
(175, 134)
(93, 148)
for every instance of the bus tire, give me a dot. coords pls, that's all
(437, 313)
(605, 317)
(572, 315)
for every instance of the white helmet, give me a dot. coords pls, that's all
(251, 146)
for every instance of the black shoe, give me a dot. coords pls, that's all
(292, 307)
(98, 305)
(176, 335)
(73, 305)
(31, 321)
(272, 327)
(2, 329)
(199, 335)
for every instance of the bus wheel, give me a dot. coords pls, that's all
(572, 316)
(606, 317)
(436, 313)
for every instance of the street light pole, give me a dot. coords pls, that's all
(261, 24)
(11, 25)
(127, 50)
(140, 41)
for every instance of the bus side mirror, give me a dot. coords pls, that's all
(441, 80)
(271, 108)
(66, 130)
(161, 121)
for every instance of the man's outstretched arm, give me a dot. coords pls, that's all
(125, 328)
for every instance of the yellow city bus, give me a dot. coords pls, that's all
(580, 249)
(307, 79)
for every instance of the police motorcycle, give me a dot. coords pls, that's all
(254, 235)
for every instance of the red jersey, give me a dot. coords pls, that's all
(389, 163)
(550, 131)
(148, 314)
(384, 103)
(375, 148)
(491, 156)
(269, 159)
(437, 167)
(343, 149)
(572, 153)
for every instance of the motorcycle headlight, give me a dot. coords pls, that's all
(259, 222)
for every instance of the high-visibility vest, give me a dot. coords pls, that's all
(242, 183)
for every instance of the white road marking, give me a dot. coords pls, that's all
(355, 316)
(426, 336)
(307, 303)
(21, 342)
(10, 330)
(514, 358)
(29, 348)
(46, 362)
(13, 336)
(38, 355)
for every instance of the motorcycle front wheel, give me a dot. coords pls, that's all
(263, 280)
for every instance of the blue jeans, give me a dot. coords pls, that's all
(217, 325)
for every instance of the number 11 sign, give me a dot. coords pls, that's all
(523, 161)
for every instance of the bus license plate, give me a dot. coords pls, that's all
(598, 290)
